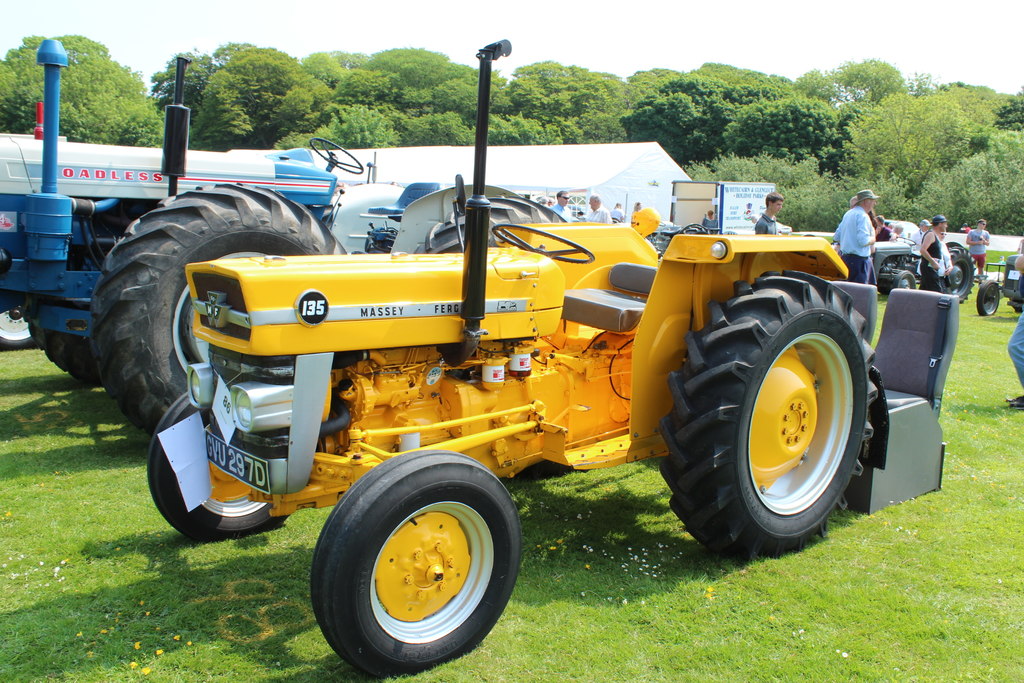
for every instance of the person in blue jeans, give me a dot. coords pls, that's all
(1016, 346)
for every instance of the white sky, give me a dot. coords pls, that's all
(976, 42)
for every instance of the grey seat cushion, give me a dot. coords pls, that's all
(602, 308)
(632, 277)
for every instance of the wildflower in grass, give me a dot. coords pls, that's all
(159, 652)
(189, 642)
(146, 670)
(78, 635)
(134, 665)
(138, 645)
(709, 593)
(177, 637)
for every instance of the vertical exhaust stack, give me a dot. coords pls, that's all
(176, 120)
(47, 213)
(478, 213)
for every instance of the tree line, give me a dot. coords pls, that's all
(926, 147)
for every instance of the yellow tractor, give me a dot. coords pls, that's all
(399, 387)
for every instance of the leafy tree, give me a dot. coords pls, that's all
(516, 130)
(197, 76)
(362, 86)
(645, 83)
(1010, 116)
(435, 129)
(550, 92)
(869, 81)
(689, 115)
(330, 67)
(258, 97)
(910, 138)
(355, 126)
(101, 101)
(987, 185)
(790, 128)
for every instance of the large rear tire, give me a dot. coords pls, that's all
(227, 514)
(142, 318)
(770, 415)
(416, 563)
(961, 280)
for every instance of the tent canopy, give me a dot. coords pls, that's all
(623, 173)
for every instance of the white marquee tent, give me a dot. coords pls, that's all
(623, 173)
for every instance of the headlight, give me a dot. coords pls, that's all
(258, 407)
(201, 384)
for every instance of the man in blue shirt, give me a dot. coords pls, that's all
(767, 224)
(856, 235)
(561, 206)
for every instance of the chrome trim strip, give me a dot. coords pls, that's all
(390, 311)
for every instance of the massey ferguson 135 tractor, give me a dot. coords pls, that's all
(400, 387)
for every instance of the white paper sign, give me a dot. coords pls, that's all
(185, 446)
(222, 410)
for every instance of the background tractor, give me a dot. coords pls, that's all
(399, 387)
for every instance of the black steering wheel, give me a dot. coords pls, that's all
(503, 232)
(324, 149)
(695, 229)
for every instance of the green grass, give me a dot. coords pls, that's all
(611, 587)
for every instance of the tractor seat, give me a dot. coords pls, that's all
(608, 309)
(411, 193)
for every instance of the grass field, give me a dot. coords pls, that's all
(95, 586)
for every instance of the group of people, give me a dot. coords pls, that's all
(598, 212)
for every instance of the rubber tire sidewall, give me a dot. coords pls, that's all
(199, 524)
(342, 575)
(982, 304)
(806, 522)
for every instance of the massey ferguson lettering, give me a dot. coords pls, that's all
(381, 311)
(440, 309)
(119, 174)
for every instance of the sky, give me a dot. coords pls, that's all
(975, 42)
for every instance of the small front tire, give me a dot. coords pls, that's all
(988, 297)
(416, 563)
(227, 514)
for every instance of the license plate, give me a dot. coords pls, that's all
(243, 466)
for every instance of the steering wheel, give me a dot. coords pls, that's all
(503, 232)
(695, 229)
(324, 149)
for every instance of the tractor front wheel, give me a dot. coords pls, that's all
(769, 418)
(416, 563)
(987, 302)
(227, 514)
(14, 332)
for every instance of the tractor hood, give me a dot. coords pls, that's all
(87, 170)
(276, 305)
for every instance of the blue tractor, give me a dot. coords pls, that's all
(94, 240)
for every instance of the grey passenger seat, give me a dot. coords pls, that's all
(914, 352)
(613, 310)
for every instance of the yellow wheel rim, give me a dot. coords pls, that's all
(801, 424)
(422, 567)
(784, 419)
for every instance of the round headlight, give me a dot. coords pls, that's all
(242, 406)
(201, 384)
(719, 250)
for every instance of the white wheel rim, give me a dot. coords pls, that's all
(13, 330)
(804, 485)
(465, 602)
(239, 507)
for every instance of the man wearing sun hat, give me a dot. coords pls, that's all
(856, 235)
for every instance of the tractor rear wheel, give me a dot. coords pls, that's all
(142, 315)
(416, 563)
(770, 414)
(961, 280)
(227, 514)
(988, 297)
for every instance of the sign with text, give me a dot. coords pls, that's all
(741, 204)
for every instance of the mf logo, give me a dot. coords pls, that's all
(216, 309)
(506, 306)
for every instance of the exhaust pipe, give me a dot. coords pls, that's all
(478, 216)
